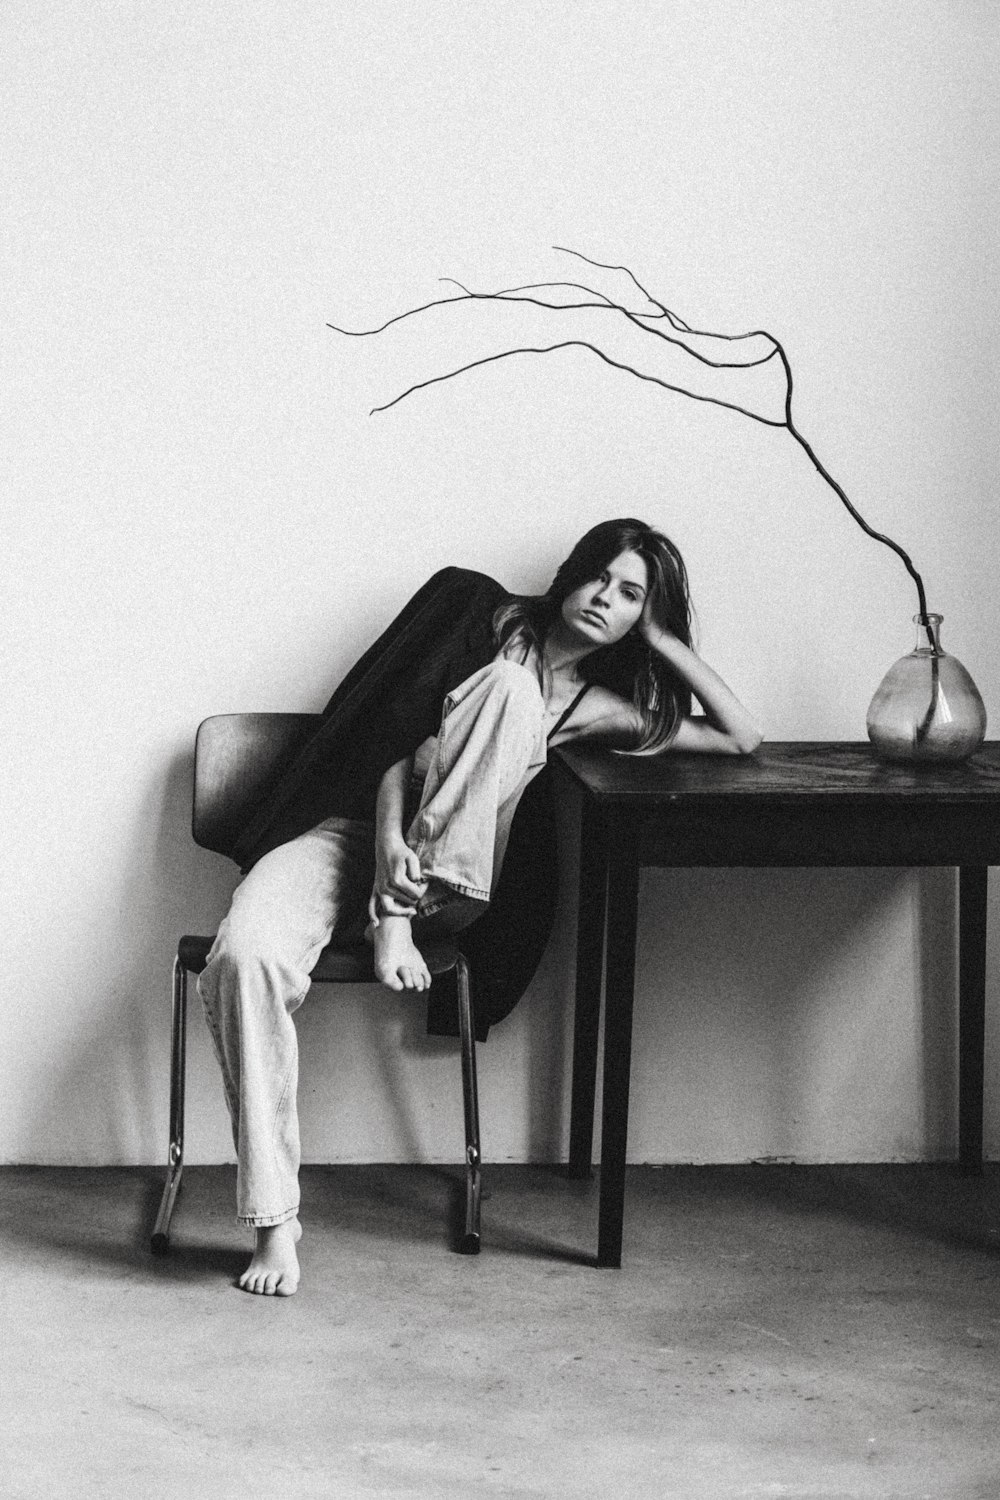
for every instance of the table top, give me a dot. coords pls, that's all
(791, 771)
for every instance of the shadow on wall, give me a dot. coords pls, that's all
(991, 1123)
(107, 1101)
(935, 930)
(784, 990)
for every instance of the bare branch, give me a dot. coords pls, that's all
(703, 359)
(508, 294)
(364, 333)
(877, 536)
(643, 321)
(535, 286)
(577, 344)
(511, 294)
(604, 266)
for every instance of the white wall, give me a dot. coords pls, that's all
(201, 516)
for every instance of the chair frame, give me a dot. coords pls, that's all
(248, 747)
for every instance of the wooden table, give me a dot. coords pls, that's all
(797, 804)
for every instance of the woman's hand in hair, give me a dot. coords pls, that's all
(727, 727)
(649, 628)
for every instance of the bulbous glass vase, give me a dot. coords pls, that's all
(927, 707)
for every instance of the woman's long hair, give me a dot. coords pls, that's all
(629, 667)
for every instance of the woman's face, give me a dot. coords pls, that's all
(603, 611)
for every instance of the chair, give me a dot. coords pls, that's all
(237, 758)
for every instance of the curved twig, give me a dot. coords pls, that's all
(536, 286)
(877, 536)
(490, 359)
(823, 472)
(637, 320)
(510, 294)
(411, 312)
(603, 265)
(641, 321)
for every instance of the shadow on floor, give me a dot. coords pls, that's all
(936, 1201)
(103, 1217)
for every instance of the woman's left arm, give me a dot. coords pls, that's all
(727, 727)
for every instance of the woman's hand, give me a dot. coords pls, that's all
(726, 727)
(397, 887)
(649, 628)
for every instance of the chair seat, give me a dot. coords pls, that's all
(352, 965)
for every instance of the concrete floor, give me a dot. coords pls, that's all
(776, 1331)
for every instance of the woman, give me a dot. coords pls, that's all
(605, 654)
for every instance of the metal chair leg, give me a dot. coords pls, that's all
(175, 1160)
(469, 1243)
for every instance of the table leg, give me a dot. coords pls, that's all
(591, 907)
(971, 1013)
(619, 990)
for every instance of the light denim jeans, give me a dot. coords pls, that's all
(303, 893)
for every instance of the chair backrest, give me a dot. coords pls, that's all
(237, 758)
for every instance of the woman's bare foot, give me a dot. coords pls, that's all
(398, 961)
(274, 1269)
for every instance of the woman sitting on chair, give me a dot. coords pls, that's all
(605, 654)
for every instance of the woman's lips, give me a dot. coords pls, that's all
(595, 619)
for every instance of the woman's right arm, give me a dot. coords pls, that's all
(397, 886)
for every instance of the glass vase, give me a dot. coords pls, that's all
(926, 707)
